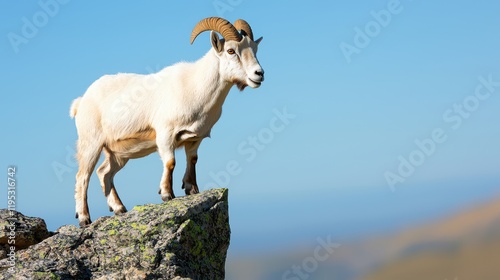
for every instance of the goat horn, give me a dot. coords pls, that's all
(222, 26)
(243, 25)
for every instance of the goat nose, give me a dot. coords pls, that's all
(259, 73)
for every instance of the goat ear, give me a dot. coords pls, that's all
(258, 40)
(216, 42)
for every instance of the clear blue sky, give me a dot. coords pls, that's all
(361, 81)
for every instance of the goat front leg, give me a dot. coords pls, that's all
(166, 149)
(189, 181)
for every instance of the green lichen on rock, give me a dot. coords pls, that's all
(139, 208)
(193, 236)
(45, 275)
(140, 227)
(187, 237)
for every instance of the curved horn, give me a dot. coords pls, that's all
(243, 25)
(222, 26)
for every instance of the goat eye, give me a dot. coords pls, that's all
(230, 51)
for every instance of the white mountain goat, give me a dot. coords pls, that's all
(131, 115)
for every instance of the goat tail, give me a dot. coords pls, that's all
(74, 107)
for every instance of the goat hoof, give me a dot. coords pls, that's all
(167, 197)
(85, 223)
(190, 188)
(120, 210)
(193, 190)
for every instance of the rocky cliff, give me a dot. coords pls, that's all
(186, 238)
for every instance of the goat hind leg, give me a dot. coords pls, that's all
(88, 154)
(106, 173)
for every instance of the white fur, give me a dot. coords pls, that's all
(133, 115)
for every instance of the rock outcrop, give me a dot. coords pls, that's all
(28, 231)
(186, 238)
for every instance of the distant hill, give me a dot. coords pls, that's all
(462, 246)
(479, 260)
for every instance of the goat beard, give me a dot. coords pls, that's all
(240, 84)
